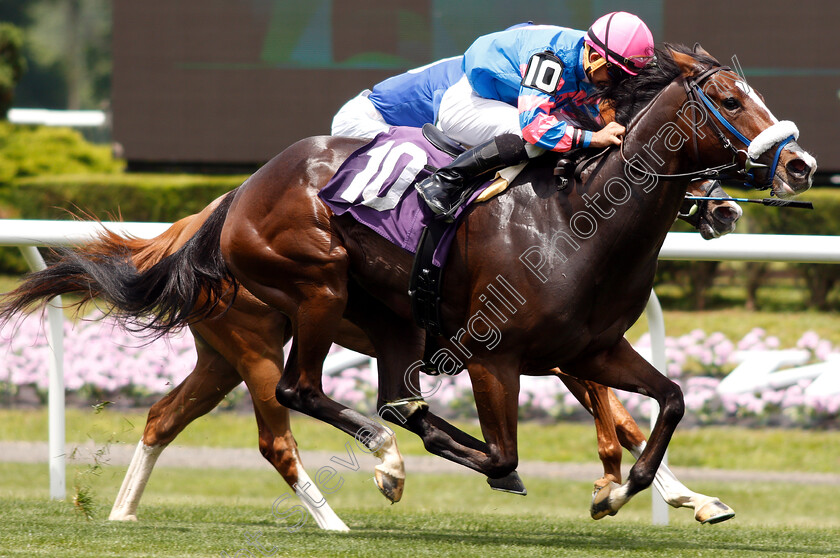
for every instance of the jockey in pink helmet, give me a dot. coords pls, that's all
(519, 86)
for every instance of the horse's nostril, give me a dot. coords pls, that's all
(725, 215)
(798, 167)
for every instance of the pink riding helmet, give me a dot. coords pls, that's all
(622, 39)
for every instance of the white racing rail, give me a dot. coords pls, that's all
(28, 234)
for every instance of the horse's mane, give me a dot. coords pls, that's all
(631, 94)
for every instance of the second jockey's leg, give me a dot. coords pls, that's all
(358, 118)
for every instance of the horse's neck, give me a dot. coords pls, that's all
(645, 145)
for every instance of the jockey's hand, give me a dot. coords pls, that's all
(608, 135)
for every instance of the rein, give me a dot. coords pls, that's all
(780, 132)
(771, 202)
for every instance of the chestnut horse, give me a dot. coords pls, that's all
(577, 290)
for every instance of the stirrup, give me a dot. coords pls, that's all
(440, 211)
(466, 192)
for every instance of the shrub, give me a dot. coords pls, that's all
(46, 172)
(134, 197)
(824, 220)
(130, 197)
(695, 277)
(41, 150)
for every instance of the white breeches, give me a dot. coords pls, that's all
(470, 119)
(358, 118)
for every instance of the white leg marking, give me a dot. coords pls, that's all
(139, 471)
(323, 514)
(676, 493)
(392, 462)
(672, 490)
(618, 497)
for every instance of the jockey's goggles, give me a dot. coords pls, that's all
(635, 62)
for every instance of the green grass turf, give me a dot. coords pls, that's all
(711, 447)
(206, 512)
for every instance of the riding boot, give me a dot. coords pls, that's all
(446, 189)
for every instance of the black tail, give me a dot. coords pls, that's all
(181, 288)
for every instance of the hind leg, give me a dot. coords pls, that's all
(199, 393)
(278, 445)
(281, 451)
(300, 388)
(304, 275)
(398, 344)
(239, 335)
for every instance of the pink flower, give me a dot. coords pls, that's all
(823, 349)
(809, 340)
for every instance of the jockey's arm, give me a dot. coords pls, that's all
(543, 129)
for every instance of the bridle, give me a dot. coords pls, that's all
(691, 209)
(780, 133)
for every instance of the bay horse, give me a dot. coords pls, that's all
(206, 386)
(578, 279)
(278, 241)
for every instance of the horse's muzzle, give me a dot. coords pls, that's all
(795, 172)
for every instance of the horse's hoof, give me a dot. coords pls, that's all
(390, 486)
(600, 506)
(511, 483)
(714, 512)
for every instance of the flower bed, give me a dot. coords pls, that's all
(105, 363)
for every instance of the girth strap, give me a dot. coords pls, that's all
(424, 289)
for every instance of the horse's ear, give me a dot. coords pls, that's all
(687, 63)
(700, 50)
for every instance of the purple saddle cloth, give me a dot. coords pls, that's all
(376, 186)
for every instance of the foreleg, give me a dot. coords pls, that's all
(622, 367)
(595, 398)
(707, 509)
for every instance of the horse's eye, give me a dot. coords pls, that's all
(731, 103)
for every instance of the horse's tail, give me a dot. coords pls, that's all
(156, 285)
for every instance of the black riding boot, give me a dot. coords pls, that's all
(446, 189)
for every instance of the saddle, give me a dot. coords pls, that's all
(441, 141)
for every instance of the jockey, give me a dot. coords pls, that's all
(516, 85)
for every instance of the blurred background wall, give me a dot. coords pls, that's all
(233, 82)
